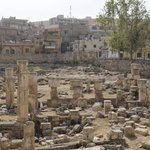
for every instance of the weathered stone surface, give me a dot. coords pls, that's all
(115, 134)
(88, 133)
(146, 144)
(97, 106)
(129, 131)
(142, 131)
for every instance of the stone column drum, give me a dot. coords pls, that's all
(98, 87)
(22, 91)
(142, 90)
(88, 133)
(9, 86)
(33, 90)
(76, 86)
(107, 106)
(54, 83)
(28, 139)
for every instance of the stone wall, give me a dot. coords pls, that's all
(120, 65)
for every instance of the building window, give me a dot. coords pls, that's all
(94, 46)
(66, 31)
(7, 51)
(148, 55)
(139, 55)
(27, 50)
(85, 46)
(12, 51)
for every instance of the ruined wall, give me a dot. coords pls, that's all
(120, 65)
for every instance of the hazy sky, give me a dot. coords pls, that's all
(37, 10)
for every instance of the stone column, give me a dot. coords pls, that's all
(23, 90)
(120, 80)
(107, 106)
(88, 133)
(76, 86)
(148, 92)
(135, 69)
(126, 84)
(54, 83)
(28, 139)
(33, 90)
(142, 90)
(9, 86)
(98, 87)
(74, 115)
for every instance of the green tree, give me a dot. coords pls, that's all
(126, 22)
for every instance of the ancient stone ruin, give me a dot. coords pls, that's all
(81, 109)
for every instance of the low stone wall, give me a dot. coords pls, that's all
(120, 65)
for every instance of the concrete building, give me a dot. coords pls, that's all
(17, 48)
(47, 43)
(13, 22)
(69, 33)
(60, 19)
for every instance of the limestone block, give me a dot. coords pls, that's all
(77, 92)
(80, 102)
(98, 85)
(136, 77)
(122, 112)
(88, 133)
(142, 83)
(130, 76)
(135, 69)
(32, 102)
(22, 66)
(146, 144)
(33, 86)
(120, 80)
(76, 83)
(15, 144)
(4, 143)
(130, 123)
(115, 134)
(135, 118)
(97, 106)
(107, 106)
(28, 139)
(74, 115)
(112, 115)
(129, 131)
(9, 72)
(54, 93)
(121, 119)
(54, 82)
(142, 131)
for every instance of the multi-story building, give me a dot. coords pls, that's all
(47, 43)
(15, 23)
(60, 19)
(17, 48)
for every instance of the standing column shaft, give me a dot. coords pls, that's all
(107, 106)
(33, 89)
(142, 90)
(23, 90)
(28, 139)
(9, 86)
(54, 83)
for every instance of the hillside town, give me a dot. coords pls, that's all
(57, 35)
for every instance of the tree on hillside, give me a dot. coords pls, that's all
(128, 21)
